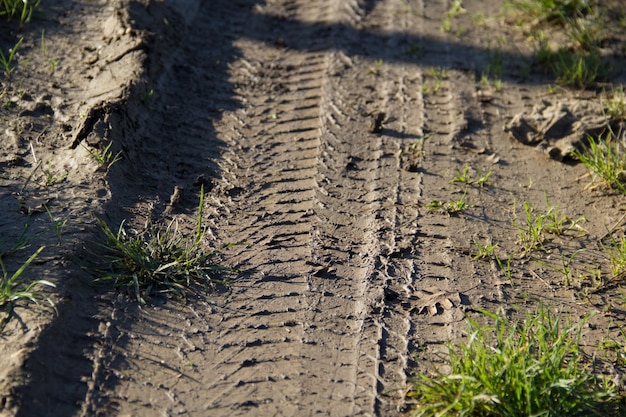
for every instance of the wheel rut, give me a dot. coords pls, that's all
(322, 209)
(321, 228)
(306, 284)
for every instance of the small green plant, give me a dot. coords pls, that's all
(615, 350)
(615, 103)
(531, 236)
(605, 162)
(456, 206)
(532, 233)
(535, 367)
(479, 19)
(147, 98)
(159, 260)
(617, 256)
(558, 12)
(17, 244)
(375, 70)
(7, 61)
(584, 32)
(567, 270)
(494, 65)
(557, 223)
(484, 250)
(446, 24)
(552, 89)
(450, 207)
(416, 148)
(18, 8)
(456, 9)
(577, 62)
(435, 205)
(505, 268)
(14, 290)
(483, 178)
(44, 50)
(572, 69)
(438, 75)
(51, 178)
(105, 157)
(58, 224)
(464, 177)
(496, 83)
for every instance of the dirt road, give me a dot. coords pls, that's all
(320, 131)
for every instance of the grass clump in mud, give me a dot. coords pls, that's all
(569, 34)
(456, 9)
(13, 289)
(7, 61)
(615, 103)
(21, 9)
(553, 11)
(159, 260)
(484, 250)
(616, 253)
(538, 225)
(510, 369)
(105, 158)
(531, 232)
(605, 161)
(572, 69)
(450, 207)
(465, 177)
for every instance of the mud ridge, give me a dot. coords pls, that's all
(54, 378)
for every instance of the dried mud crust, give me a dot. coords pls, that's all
(318, 137)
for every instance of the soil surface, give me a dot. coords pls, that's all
(320, 132)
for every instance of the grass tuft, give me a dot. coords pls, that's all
(159, 260)
(531, 368)
(605, 161)
(572, 68)
(7, 61)
(105, 158)
(22, 9)
(559, 12)
(464, 177)
(451, 207)
(615, 103)
(531, 233)
(484, 250)
(617, 256)
(14, 290)
(580, 26)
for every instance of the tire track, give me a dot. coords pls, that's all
(327, 248)
(151, 360)
(442, 292)
(324, 212)
(403, 136)
(326, 215)
(310, 370)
